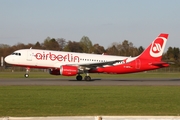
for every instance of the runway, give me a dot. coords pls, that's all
(94, 82)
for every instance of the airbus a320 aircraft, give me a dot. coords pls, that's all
(71, 63)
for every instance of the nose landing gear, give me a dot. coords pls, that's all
(26, 75)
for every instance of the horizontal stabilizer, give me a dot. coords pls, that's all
(160, 64)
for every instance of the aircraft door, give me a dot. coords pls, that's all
(138, 64)
(29, 55)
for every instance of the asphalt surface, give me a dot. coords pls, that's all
(94, 82)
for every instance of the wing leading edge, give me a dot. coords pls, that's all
(101, 64)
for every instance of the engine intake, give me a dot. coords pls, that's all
(54, 71)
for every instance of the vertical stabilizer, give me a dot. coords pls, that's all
(155, 50)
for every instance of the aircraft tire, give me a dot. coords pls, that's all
(79, 77)
(87, 78)
(26, 75)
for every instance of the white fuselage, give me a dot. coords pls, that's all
(55, 59)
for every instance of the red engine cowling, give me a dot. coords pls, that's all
(68, 70)
(64, 70)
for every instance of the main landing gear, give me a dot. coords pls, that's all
(87, 77)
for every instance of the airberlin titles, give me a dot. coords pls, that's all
(59, 57)
(65, 57)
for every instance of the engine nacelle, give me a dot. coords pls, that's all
(65, 70)
(68, 70)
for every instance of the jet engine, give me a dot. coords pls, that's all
(68, 70)
(65, 70)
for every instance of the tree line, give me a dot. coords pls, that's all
(85, 45)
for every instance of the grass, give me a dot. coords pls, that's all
(89, 100)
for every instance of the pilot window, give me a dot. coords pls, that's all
(18, 54)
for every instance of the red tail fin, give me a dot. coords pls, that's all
(155, 49)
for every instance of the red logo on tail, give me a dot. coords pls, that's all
(157, 47)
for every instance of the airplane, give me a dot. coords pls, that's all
(75, 64)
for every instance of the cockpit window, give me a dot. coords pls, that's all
(18, 54)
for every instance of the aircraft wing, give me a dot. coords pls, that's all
(100, 64)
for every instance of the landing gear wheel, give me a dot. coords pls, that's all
(26, 75)
(87, 78)
(79, 77)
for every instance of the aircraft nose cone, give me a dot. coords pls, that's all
(8, 59)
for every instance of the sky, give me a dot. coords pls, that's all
(103, 21)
